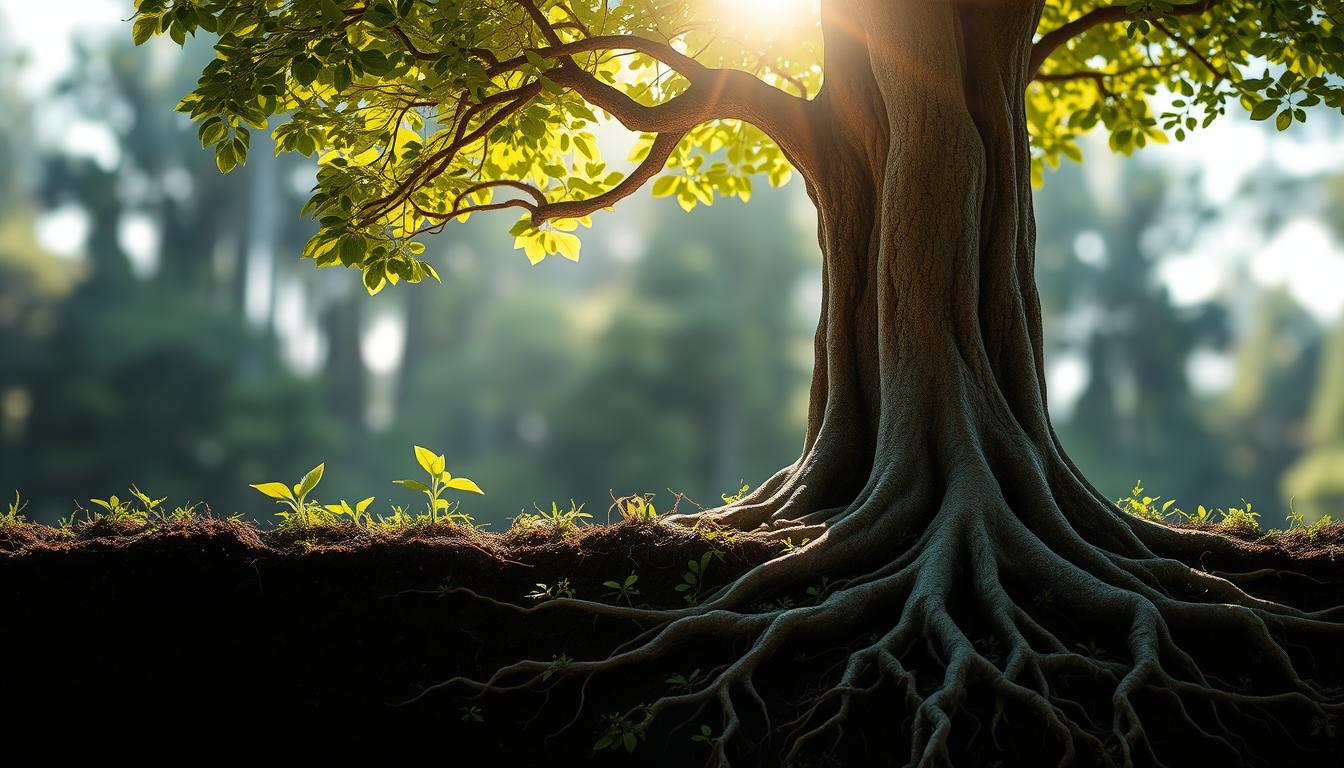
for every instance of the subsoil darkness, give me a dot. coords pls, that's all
(210, 637)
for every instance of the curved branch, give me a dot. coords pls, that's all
(663, 145)
(1109, 14)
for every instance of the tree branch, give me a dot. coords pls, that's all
(1109, 14)
(663, 146)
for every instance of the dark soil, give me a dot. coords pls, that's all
(211, 638)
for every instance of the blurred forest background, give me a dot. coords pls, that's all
(158, 327)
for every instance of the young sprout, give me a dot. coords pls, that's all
(440, 481)
(295, 500)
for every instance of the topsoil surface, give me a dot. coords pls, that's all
(207, 639)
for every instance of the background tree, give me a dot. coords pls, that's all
(931, 483)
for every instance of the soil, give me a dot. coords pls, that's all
(210, 637)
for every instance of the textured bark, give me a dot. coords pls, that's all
(932, 493)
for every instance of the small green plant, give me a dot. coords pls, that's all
(622, 731)
(623, 590)
(549, 592)
(736, 497)
(638, 507)
(715, 533)
(438, 509)
(789, 546)
(558, 664)
(561, 521)
(358, 514)
(14, 517)
(118, 510)
(1145, 507)
(298, 512)
(685, 683)
(819, 591)
(471, 714)
(1296, 522)
(704, 736)
(1241, 520)
(693, 580)
(1202, 516)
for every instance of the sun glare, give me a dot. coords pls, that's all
(769, 18)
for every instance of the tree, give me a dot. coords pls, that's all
(932, 488)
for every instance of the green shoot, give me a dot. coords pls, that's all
(736, 497)
(549, 592)
(684, 683)
(1241, 520)
(622, 732)
(439, 509)
(298, 512)
(623, 590)
(638, 507)
(693, 580)
(14, 517)
(358, 514)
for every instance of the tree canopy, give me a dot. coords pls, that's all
(423, 112)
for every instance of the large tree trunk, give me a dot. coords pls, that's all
(955, 546)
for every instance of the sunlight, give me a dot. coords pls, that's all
(769, 19)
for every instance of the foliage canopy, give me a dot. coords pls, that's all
(422, 112)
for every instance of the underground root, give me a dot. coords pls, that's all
(987, 633)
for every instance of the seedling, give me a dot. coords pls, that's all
(820, 590)
(693, 580)
(563, 522)
(439, 509)
(298, 510)
(705, 736)
(119, 510)
(558, 664)
(1202, 516)
(14, 517)
(714, 532)
(638, 507)
(357, 514)
(684, 683)
(789, 546)
(1243, 520)
(1296, 522)
(623, 590)
(622, 732)
(548, 592)
(471, 714)
(1145, 507)
(736, 497)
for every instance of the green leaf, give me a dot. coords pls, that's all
(1285, 120)
(310, 480)
(363, 505)
(275, 490)
(225, 157)
(463, 484)
(413, 485)
(1264, 110)
(429, 461)
(212, 130)
(304, 69)
(144, 28)
(665, 186)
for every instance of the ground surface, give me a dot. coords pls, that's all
(211, 636)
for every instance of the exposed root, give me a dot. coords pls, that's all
(940, 631)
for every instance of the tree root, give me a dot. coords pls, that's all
(1097, 642)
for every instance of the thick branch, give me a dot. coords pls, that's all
(663, 145)
(1110, 14)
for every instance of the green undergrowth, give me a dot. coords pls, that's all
(1241, 521)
